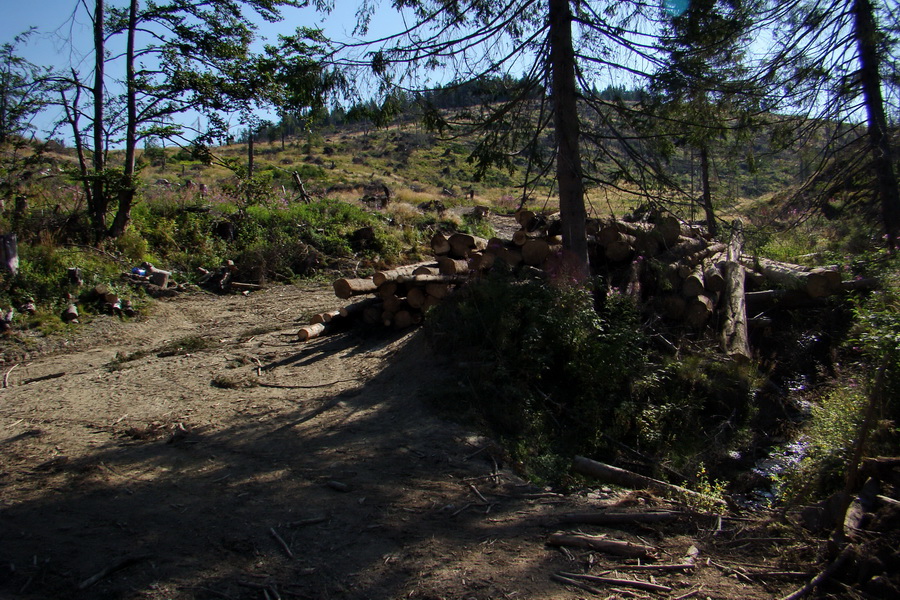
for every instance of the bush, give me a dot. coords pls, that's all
(564, 370)
(551, 368)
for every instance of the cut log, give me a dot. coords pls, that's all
(440, 244)
(70, 314)
(832, 278)
(346, 288)
(668, 229)
(698, 311)
(521, 236)
(403, 319)
(602, 544)
(712, 276)
(511, 256)
(452, 266)
(535, 252)
(427, 270)
(794, 277)
(9, 253)
(308, 332)
(621, 249)
(393, 304)
(524, 217)
(381, 277)
(693, 284)
(324, 317)
(704, 253)
(735, 342)
(371, 314)
(462, 244)
(389, 288)
(487, 261)
(356, 309)
(409, 280)
(633, 286)
(437, 290)
(495, 246)
(628, 479)
(687, 248)
(415, 297)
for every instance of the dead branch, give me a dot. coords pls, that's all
(823, 576)
(602, 544)
(582, 586)
(282, 543)
(614, 518)
(641, 585)
(107, 571)
(624, 478)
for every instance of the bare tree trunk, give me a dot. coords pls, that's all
(98, 195)
(707, 193)
(865, 31)
(72, 114)
(127, 190)
(249, 153)
(568, 159)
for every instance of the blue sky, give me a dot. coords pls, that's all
(50, 44)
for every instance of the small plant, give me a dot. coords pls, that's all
(712, 493)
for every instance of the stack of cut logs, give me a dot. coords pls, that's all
(669, 267)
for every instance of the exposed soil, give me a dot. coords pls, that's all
(253, 466)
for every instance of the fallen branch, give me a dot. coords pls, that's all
(582, 586)
(41, 378)
(117, 566)
(640, 585)
(602, 544)
(670, 567)
(823, 576)
(284, 546)
(615, 518)
(628, 479)
(6, 376)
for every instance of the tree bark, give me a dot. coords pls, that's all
(390, 275)
(601, 544)
(735, 342)
(127, 189)
(568, 157)
(707, 193)
(345, 288)
(628, 479)
(866, 33)
(98, 193)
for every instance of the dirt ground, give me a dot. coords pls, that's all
(138, 463)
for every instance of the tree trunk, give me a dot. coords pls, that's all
(249, 152)
(707, 193)
(734, 332)
(568, 158)
(865, 31)
(127, 190)
(98, 193)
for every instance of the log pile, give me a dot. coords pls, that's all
(671, 269)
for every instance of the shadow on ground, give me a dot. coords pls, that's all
(360, 494)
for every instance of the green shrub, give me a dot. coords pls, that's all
(825, 446)
(551, 368)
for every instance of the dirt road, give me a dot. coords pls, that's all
(203, 453)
